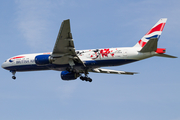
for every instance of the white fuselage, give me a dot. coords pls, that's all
(93, 58)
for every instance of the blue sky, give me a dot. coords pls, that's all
(32, 27)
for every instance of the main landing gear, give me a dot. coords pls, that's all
(13, 72)
(86, 78)
(83, 78)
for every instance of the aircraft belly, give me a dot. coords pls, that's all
(21, 68)
(112, 62)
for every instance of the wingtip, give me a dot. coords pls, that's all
(67, 20)
(130, 73)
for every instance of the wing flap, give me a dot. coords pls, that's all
(100, 70)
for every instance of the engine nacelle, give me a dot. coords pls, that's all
(66, 75)
(43, 59)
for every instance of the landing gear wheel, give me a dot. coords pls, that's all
(14, 77)
(89, 79)
(86, 79)
(13, 72)
(82, 78)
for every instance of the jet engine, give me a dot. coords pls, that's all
(43, 59)
(66, 75)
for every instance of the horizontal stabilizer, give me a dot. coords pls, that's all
(165, 55)
(150, 46)
(99, 70)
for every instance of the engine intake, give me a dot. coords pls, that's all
(43, 59)
(66, 75)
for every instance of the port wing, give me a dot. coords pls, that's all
(100, 70)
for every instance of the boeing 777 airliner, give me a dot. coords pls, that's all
(74, 64)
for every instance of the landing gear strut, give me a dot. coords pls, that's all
(83, 78)
(13, 72)
(70, 69)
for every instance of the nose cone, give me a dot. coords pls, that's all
(3, 65)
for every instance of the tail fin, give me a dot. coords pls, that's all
(154, 32)
(148, 42)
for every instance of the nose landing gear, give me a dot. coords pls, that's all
(13, 72)
(14, 77)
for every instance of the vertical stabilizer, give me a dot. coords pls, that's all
(154, 32)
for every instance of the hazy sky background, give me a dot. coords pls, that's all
(31, 26)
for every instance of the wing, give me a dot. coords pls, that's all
(99, 70)
(64, 51)
(64, 42)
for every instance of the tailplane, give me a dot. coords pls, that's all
(165, 55)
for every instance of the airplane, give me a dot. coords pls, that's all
(78, 63)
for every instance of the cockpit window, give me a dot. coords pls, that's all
(5, 60)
